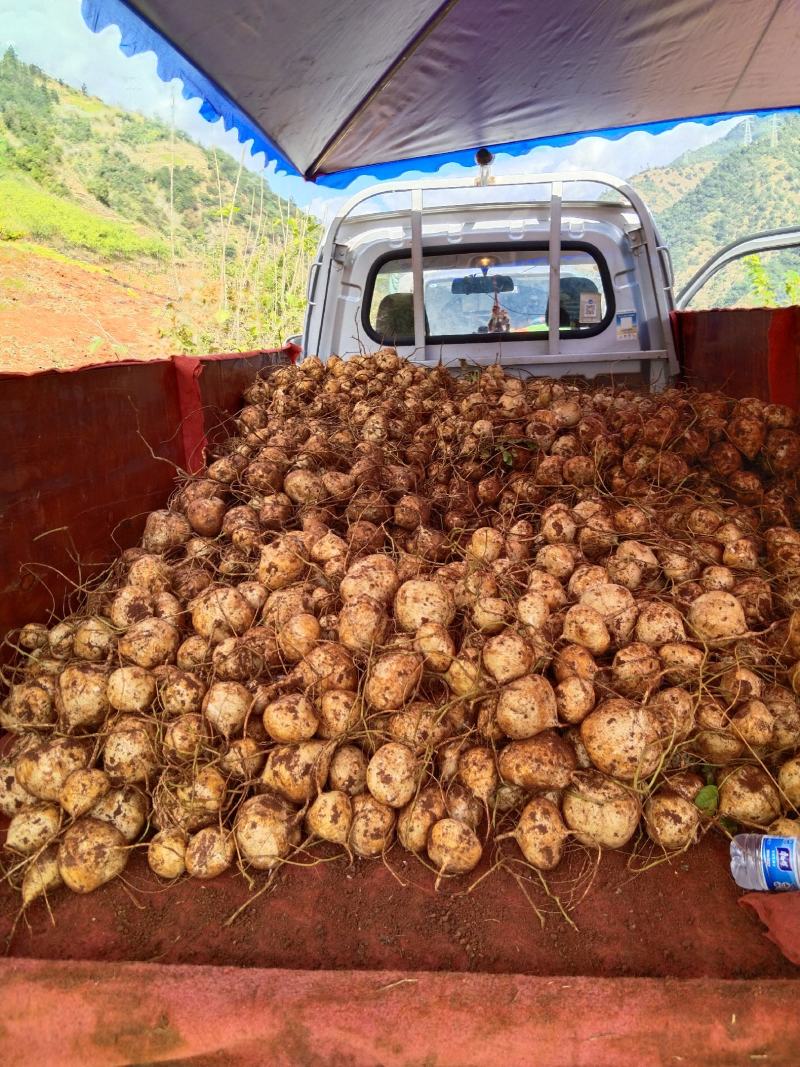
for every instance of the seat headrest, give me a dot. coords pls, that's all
(395, 318)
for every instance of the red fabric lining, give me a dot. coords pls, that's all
(780, 913)
(784, 357)
(289, 350)
(188, 370)
(103, 1014)
(190, 397)
(741, 351)
(89, 454)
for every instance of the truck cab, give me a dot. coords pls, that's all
(556, 274)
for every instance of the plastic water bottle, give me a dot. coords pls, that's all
(760, 861)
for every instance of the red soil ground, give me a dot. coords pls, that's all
(58, 312)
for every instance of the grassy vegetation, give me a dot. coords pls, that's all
(733, 187)
(27, 211)
(83, 178)
(116, 162)
(46, 252)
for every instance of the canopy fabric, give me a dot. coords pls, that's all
(328, 90)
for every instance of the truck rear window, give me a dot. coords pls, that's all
(475, 294)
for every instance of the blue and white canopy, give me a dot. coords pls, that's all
(330, 88)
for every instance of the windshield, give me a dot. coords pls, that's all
(499, 291)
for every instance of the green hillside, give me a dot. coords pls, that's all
(746, 182)
(123, 183)
(106, 185)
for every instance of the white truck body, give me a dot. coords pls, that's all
(549, 274)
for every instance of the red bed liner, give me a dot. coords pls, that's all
(742, 351)
(664, 968)
(146, 1013)
(90, 451)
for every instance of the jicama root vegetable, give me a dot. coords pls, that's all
(784, 827)
(748, 795)
(600, 811)
(291, 717)
(575, 698)
(339, 711)
(545, 761)
(453, 848)
(330, 816)
(91, 853)
(393, 680)
(30, 704)
(149, 643)
(44, 770)
(32, 828)
(13, 797)
(392, 775)
(448, 610)
(585, 627)
(418, 816)
(82, 790)
(507, 656)
(189, 801)
(372, 826)
(297, 772)
(126, 808)
(541, 833)
(477, 772)
(166, 853)
(129, 752)
(789, 781)
(672, 821)
(221, 612)
(526, 706)
(717, 618)
(363, 624)
(82, 700)
(348, 770)
(209, 852)
(41, 876)
(636, 669)
(327, 666)
(264, 831)
(419, 602)
(621, 739)
(131, 689)
(659, 624)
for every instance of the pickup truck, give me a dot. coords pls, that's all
(547, 274)
(554, 275)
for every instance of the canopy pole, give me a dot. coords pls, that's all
(554, 301)
(416, 271)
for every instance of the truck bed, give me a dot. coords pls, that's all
(348, 964)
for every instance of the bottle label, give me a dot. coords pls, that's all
(777, 862)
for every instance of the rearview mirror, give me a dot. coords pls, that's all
(476, 284)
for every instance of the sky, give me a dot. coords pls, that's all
(53, 35)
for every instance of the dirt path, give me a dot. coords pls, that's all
(58, 311)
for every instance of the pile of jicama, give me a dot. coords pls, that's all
(399, 606)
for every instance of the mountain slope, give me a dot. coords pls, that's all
(224, 260)
(218, 260)
(144, 181)
(734, 187)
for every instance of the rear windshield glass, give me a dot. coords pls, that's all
(470, 295)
